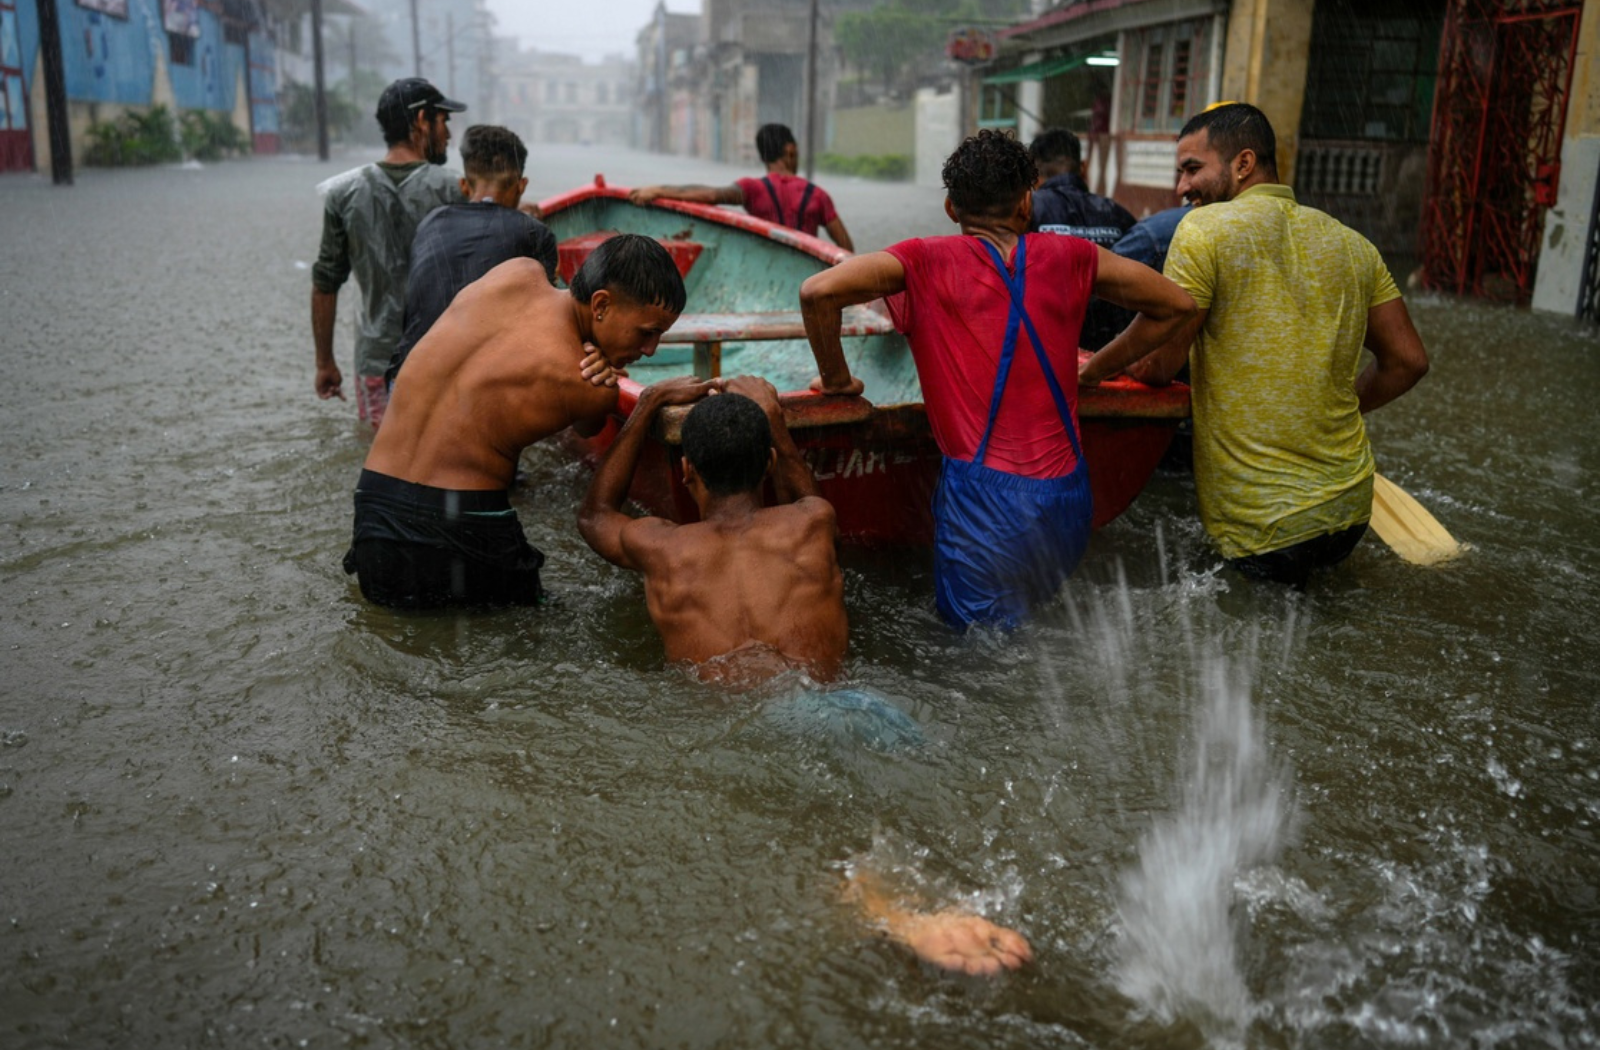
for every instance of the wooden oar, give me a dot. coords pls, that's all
(1407, 527)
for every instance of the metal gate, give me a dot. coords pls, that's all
(1505, 70)
(16, 140)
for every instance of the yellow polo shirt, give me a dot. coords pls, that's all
(1280, 449)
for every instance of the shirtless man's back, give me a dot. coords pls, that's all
(505, 366)
(749, 590)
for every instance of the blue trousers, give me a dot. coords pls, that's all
(1004, 543)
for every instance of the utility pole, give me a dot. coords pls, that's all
(416, 39)
(811, 95)
(55, 94)
(320, 81)
(351, 30)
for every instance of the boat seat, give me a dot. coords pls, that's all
(571, 252)
(707, 332)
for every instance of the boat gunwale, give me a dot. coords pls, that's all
(1118, 398)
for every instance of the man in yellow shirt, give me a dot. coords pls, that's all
(1288, 296)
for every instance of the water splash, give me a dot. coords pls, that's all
(1180, 946)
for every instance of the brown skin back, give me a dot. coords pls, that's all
(745, 580)
(497, 372)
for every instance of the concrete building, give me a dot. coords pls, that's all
(666, 80)
(1476, 176)
(553, 98)
(451, 43)
(133, 55)
(746, 66)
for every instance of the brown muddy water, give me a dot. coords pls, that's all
(239, 807)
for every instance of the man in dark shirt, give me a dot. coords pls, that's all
(1062, 203)
(458, 244)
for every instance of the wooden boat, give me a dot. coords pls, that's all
(873, 456)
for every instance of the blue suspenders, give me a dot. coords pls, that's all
(1017, 318)
(1003, 542)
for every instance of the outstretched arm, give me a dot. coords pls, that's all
(1400, 359)
(952, 940)
(1166, 322)
(695, 194)
(840, 235)
(601, 519)
(823, 298)
(791, 477)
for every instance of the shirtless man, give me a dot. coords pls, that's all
(748, 591)
(751, 591)
(503, 367)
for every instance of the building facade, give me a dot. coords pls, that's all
(1460, 136)
(560, 99)
(705, 86)
(133, 55)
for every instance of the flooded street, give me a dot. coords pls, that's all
(239, 806)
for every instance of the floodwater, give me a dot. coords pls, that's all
(240, 807)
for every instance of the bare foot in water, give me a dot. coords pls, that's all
(952, 940)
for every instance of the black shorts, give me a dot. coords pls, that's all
(420, 547)
(1293, 565)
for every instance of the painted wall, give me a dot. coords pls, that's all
(1566, 226)
(873, 130)
(111, 64)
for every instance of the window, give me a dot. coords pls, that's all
(552, 91)
(997, 107)
(180, 49)
(1165, 85)
(600, 94)
(572, 92)
(1372, 71)
(1178, 91)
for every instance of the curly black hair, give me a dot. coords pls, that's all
(988, 174)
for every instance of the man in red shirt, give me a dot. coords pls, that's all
(781, 196)
(993, 319)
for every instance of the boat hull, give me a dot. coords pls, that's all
(874, 460)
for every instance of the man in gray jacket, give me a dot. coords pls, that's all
(369, 218)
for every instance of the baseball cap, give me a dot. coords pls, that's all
(409, 94)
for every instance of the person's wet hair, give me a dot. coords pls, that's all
(1055, 145)
(771, 141)
(634, 267)
(1234, 127)
(988, 174)
(728, 441)
(489, 151)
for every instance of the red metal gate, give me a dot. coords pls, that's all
(1505, 71)
(16, 141)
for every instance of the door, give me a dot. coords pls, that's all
(16, 141)
(1504, 79)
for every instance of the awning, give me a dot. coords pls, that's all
(1042, 70)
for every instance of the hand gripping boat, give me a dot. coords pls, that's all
(873, 456)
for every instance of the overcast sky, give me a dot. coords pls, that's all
(590, 28)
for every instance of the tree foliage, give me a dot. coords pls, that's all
(897, 39)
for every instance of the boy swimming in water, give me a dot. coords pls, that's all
(750, 592)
